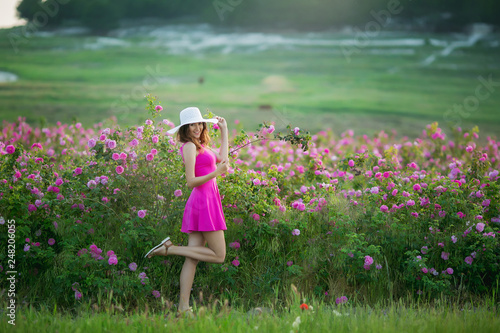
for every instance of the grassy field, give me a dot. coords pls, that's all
(321, 318)
(67, 77)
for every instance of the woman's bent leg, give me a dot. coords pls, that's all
(196, 239)
(214, 253)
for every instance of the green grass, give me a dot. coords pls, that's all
(394, 317)
(61, 81)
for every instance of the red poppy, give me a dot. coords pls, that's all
(304, 306)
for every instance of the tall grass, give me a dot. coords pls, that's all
(405, 315)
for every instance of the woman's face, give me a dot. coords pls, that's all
(195, 130)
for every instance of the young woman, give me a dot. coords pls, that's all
(203, 218)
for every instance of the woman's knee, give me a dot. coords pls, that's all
(221, 256)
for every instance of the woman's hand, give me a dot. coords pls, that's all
(221, 122)
(222, 167)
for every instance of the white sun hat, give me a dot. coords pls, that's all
(191, 115)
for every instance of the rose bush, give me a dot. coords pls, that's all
(335, 215)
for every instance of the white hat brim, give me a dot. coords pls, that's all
(175, 129)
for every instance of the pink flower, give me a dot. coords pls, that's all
(416, 187)
(256, 217)
(295, 232)
(10, 149)
(296, 131)
(115, 156)
(449, 270)
(119, 169)
(480, 227)
(36, 145)
(256, 181)
(150, 157)
(469, 149)
(424, 270)
(92, 143)
(31, 208)
(368, 260)
(424, 249)
(158, 108)
(461, 215)
(105, 199)
(341, 300)
(445, 255)
(113, 260)
(141, 213)
(442, 213)
(134, 143)
(289, 263)
(177, 193)
(469, 260)
(154, 138)
(394, 192)
(384, 208)
(110, 253)
(111, 144)
(234, 245)
(270, 129)
(410, 203)
(78, 295)
(132, 266)
(78, 171)
(351, 163)
(235, 262)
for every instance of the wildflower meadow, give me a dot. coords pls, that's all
(345, 218)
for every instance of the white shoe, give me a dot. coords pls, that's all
(159, 245)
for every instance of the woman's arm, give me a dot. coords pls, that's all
(223, 152)
(189, 152)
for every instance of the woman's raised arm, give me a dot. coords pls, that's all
(223, 152)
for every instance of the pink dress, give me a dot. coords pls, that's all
(203, 210)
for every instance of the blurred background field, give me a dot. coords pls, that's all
(316, 80)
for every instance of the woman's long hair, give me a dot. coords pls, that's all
(183, 136)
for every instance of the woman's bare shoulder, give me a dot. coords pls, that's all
(189, 148)
(189, 145)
